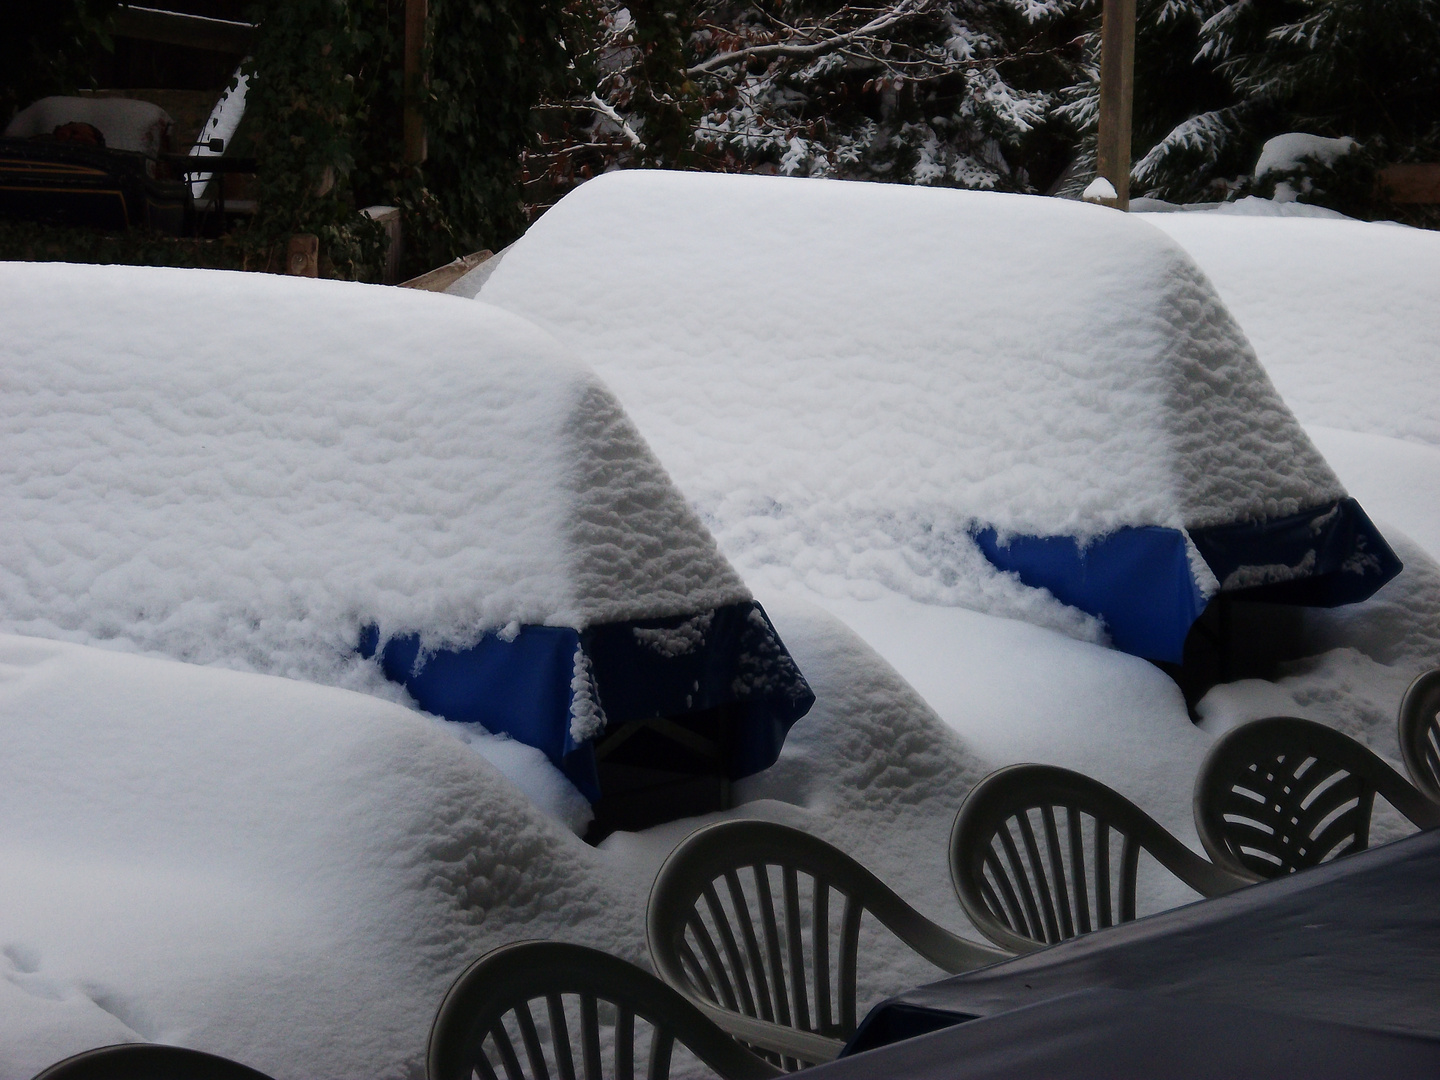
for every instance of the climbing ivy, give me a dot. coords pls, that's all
(326, 103)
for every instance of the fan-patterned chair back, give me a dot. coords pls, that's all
(1282, 794)
(1039, 854)
(759, 925)
(1420, 733)
(538, 1009)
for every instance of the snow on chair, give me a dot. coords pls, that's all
(148, 1061)
(1039, 854)
(1420, 733)
(489, 1019)
(1282, 794)
(732, 924)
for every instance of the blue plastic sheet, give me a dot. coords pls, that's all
(524, 686)
(1140, 582)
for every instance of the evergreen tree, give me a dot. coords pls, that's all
(948, 92)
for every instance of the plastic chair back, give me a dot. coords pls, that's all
(542, 1009)
(1282, 794)
(1039, 854)
(1420, 734)
(735, 923)
(148, 1061)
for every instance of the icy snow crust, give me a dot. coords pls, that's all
(244, 470)
(1345, 315)
(846, 377)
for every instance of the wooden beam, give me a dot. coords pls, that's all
(190, 31)
(1411, 183)
(1117, 96)
(416, 12)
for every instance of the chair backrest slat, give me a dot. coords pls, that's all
(1020, 882)
(719, 977)
(508, 1057)
(662, 1045)
(740, 981)
(799, 999)
(530, 1039)
(1129, 876)
(770, 925)
(758, 972)
(1282, 794)
(625, 1016)
(560, 1035)
(624, 1043)
(772, 944)
(849, 959)
(1058, 874)
(1043, 894)
(1104, 912)
(1077, 865)
(1050, 927)
(820, 944)
(590, 1036)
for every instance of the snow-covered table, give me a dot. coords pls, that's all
(1355, 943)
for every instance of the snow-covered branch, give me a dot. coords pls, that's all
(829, 42)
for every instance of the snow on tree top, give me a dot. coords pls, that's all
(245, 470)
(852, 366)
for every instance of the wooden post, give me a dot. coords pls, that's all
(415, 15)
(1117, 95)
(302, 255)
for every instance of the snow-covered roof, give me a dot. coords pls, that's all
(245, 469)
(850, 367)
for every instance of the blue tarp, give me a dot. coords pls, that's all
(1140, 582)
(525, 686)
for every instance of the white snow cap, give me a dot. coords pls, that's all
(1289, 151)
(246, 469)
(834, 370)
(126, 124)
(1098, 189)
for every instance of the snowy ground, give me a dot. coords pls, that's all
(290, 873)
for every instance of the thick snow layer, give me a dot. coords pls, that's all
(1397, 479)
(244, 470)
(284, 873)
(1290, 151)
(1250, 206)
(845, 377)
(291, 874)
(1345, 315)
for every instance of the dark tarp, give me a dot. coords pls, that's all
(526, 686)
(1139, 580)
(1355, 942)
(1125, 1035)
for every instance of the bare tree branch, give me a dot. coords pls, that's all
(902, 12)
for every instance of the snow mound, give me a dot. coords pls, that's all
(279, 872)
(846, 378)
(1345, 315)
(292, 874)
(245, 470)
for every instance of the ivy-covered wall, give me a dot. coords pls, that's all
(324, 112)
(325, 108)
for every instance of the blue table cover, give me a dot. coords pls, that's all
(533, 685)
(1139, 580)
